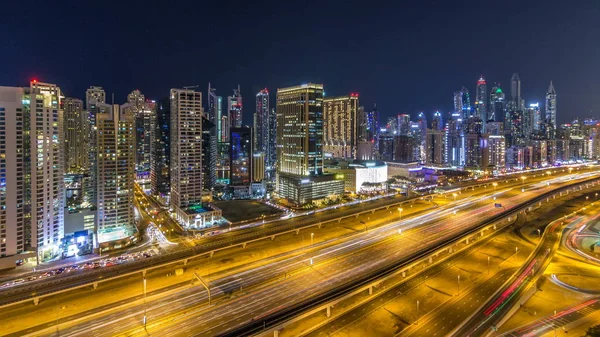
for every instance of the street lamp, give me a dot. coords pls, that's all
(458, 285)
(417, 312)
(495, 184)
(454, 195)
(400, 211)
(312, 236)
(517, 254)
(523, 183)
(539, 233)
(145, 302)
(488, 265)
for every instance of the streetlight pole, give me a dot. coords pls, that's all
(312, 236)
(458, 285)
(488, 265)
(145, 320)
(400, 211)
(517, 254)
(417, 312)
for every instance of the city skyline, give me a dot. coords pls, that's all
(409, 77)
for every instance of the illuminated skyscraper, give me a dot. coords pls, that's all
(186, 155)
(15, 230)
(481, 101)
(94, 93)
(392, 126)
(75, 128)
(467, 109)
(300, 130)
(458, 101)
(241, 141)
(300, 176)
(436, 122)
(261, 122)
(115, 171)
(403, 124)
(136, 100)
(215, 111)
(532, 119)
(497, 105)
(419, 134)
(434, 147)
(46, 170)
(162, 148)
(271, 156)
(145, 131)
(550, 107)
(516, 101)
(209, 154)
(454, 142)
(340, 124)
(234, 106)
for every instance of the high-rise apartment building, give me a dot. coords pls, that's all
(437, 123)
(392, 126)
(340, 125)
(481, 100)
(300, 176)
(454, 142)
(186, 155)
(467, 109)
(271, 155)
(46, 203)
(115, 172)
(434, 147)
(136, 100)
(403, 124)
(215, 111)
(550, 107)
(261, 122)
(14, 230)
(419, 133)
(235, 108)
(94, 93)
(145, 132)
(497, 148)
(75, 127)
(162, 157)
(209, 154)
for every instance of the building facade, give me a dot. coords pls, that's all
(115, 171)
(186, 155)
(340, 126)
(235, 108)
(300, 176)
(75, 128)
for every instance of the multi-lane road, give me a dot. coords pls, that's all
(333, 266)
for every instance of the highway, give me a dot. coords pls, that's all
(556, 321)
(438, 322)
(41, 286)
(495, 309)
(332, 266)
(150, 208)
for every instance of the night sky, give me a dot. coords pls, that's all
(406, 57)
